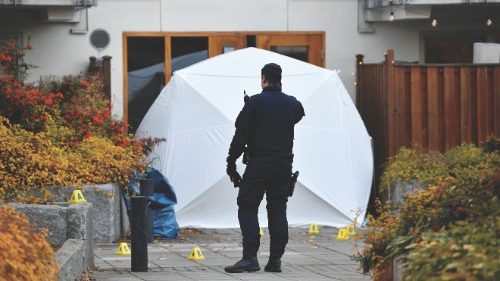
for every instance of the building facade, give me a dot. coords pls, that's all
(149, 39)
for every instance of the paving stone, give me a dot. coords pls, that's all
(311, 258)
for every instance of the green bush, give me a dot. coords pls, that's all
(413, 165)
(470, 165)
(457, 210)
(465, 251)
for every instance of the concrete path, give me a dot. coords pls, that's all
(307, 257)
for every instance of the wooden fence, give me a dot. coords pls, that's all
(435, 106)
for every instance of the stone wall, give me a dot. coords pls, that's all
(70, 228)
(71, 263)
(106, 213)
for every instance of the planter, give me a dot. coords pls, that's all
(398, 191)
(397, 270)
(391, 270)
(70, 228)
(385, 272)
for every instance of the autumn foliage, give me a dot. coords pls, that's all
(58, 132)
(24, 253)
(30, 162)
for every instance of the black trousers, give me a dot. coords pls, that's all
(272, 178)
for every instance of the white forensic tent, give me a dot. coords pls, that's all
(196, 111)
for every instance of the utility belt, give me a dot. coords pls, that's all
(247, 158)
(266, 157)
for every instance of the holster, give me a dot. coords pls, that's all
(292, 183)
(245, 155)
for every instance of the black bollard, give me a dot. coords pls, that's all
(147, 189)
(139, 240)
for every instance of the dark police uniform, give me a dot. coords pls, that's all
(266, 125)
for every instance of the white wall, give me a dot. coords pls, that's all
(117, 16)
(59, 52)
(225, 15)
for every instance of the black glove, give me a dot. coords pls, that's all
(232, 173)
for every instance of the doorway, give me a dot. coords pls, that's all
(151, 58)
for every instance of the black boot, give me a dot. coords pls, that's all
(245, 264)
(273, 265)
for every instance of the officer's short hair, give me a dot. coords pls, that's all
(272, 72)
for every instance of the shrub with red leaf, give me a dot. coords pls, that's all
(71, 117)
(24, 103)
(77, 102)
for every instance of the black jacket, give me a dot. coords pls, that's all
(266, 125)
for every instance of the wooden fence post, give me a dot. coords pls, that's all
(106, 74)
(496, 94)
(391, 124)
(92, 65)
(359, 62)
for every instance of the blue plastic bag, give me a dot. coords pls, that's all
(165, 224)
(161, 202)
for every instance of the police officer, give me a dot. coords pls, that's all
(266, 126)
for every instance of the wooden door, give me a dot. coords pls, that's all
(305, 47)
(219, 44)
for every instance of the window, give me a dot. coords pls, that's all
(308, 47)
(145, 75)
(187, 51)
(296, 52)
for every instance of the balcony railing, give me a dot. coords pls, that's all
(397, 10)
(384, 3)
